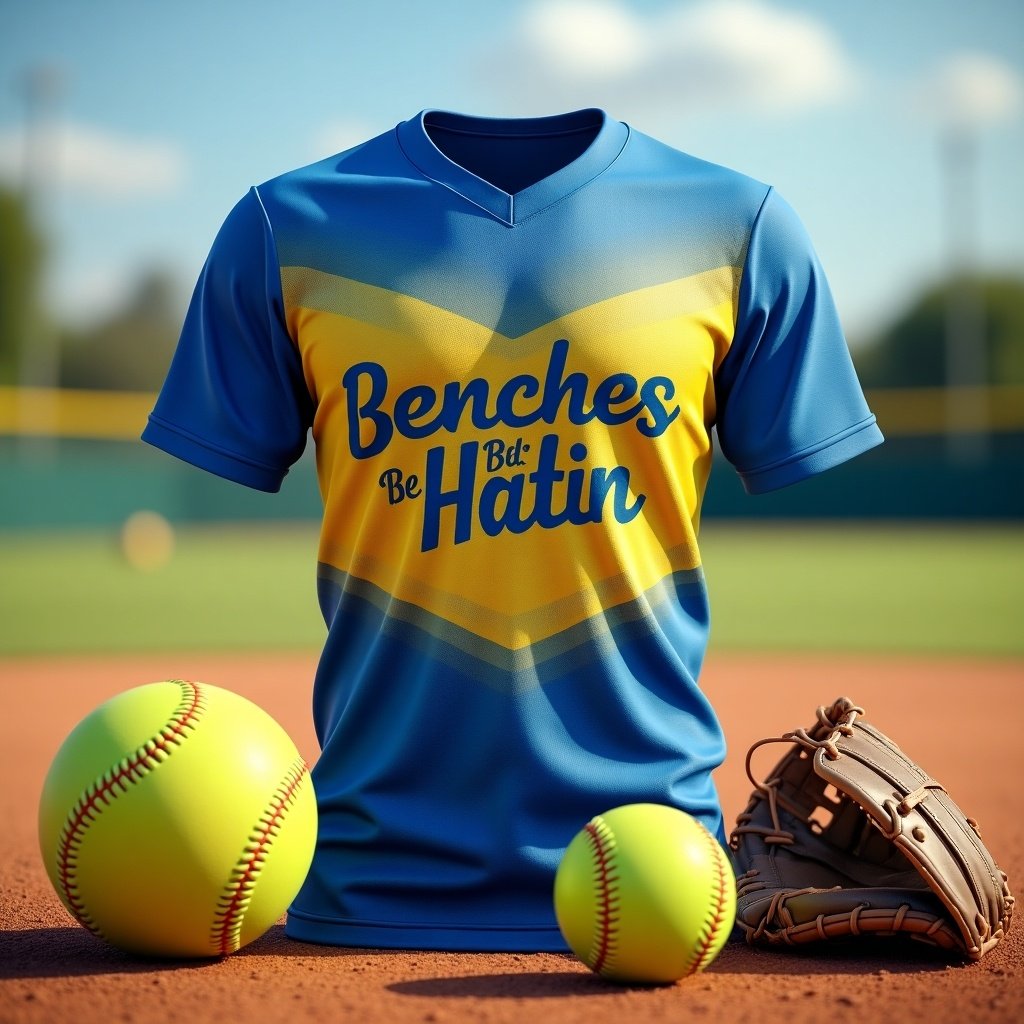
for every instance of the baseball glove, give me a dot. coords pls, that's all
(847, 836)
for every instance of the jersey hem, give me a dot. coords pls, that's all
(452, 938)
(204, 455)
(828, 453)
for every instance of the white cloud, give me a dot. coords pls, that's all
(84, 159)
(338, 135)
(971, 89)
(702, 56)
(585, 38)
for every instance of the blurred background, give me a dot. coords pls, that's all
(128, 130)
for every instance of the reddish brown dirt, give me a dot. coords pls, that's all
(961, 720)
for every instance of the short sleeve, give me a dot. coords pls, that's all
(788, 398)
(235, 401)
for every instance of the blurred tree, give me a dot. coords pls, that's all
(21, 264)
(912, 351)
(131, 349)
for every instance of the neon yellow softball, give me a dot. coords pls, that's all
(177, 819)
(644, 893)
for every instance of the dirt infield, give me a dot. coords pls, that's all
(962, 720)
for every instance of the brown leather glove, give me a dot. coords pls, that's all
(847, 836)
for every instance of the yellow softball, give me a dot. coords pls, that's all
(177, 819)
(644, 893)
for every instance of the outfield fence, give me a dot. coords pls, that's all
(120, 416)
(74, 458)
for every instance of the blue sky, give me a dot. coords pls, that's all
(166, 113)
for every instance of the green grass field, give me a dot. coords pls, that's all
(837, 587)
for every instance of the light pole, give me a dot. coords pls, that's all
(966, 355)
(39, 354)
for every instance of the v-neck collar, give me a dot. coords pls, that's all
(512, 208)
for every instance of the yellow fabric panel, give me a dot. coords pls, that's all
(515, 588)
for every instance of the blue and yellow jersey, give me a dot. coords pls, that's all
(510, 340)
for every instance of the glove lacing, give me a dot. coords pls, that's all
(768, 790)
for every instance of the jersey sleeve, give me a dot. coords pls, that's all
(789, 401)
(235, 401)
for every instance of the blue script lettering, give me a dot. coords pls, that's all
(399, 486)
(369, 411)
(504, 503)
(420, 411)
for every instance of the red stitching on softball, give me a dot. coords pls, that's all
(606, 878)
(704, 952)
(111, 784)
(233, 905)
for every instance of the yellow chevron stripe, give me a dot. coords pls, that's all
(307, 290)
(518, 589)
(442, 640)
